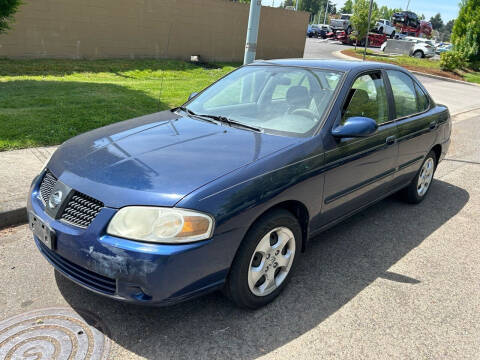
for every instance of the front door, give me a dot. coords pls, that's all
(360, 170)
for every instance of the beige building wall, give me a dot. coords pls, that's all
(91, 29)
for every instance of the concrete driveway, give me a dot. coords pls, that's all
(394, 282)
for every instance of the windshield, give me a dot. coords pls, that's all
(287, 101)
(345, 17)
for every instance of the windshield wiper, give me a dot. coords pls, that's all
(203, 117)
(232, 122)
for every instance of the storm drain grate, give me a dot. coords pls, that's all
(54, 333)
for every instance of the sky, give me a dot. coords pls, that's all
(447, 8)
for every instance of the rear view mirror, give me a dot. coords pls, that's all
(192, 95)
(282, 80)
(356, 126)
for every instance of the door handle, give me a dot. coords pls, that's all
(390, 140)
(433, 125)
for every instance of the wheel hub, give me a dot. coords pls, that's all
(271, 261)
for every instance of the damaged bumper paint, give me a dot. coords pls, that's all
(129, 270)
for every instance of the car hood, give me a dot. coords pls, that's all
(157, 159)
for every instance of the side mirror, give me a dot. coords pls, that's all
(356, 126)
(192, 95)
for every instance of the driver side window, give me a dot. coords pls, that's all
(367, 98)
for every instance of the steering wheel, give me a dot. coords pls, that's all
(305, 113)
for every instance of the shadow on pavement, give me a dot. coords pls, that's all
(337, 266)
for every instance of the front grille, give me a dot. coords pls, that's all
(81, 210)
(85, 277)
(46, 186)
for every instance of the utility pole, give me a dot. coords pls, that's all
(368, 29)
(296, 4)
(326, 11)
(408, 4)
(252, 31)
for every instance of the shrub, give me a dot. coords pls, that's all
(466, 31)
(7, 9)
(451, 60)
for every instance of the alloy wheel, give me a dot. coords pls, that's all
(425, 177)
(271, 261)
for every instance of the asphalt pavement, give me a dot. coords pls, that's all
(395, 281)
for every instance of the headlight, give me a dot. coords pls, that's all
(160, 225)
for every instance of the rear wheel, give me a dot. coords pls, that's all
(265, 260)
(418, 54)
(392, 35)
(418, 189)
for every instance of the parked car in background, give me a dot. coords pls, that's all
(385, 27)
(342, 24)
(313, 31)
(326, 28)
(424, 48)
(444, 48)
(226, 191)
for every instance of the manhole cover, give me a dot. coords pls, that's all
(54, 333)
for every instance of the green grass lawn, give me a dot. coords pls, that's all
(473, 77)
(45, 102)
(403, 60)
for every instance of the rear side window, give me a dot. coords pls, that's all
(404, 93)
(422, 100)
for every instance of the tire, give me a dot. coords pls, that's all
(349, 30)
(418, 54)
(414, 193)
(392, 35)
(380, 31)
(265, 260)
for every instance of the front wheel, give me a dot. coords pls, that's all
(418, 54)
(418, 189)
(265, 260)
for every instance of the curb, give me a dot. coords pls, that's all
(340, 55)
(13, 217)
(437, 77)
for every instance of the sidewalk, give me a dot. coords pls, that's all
(17, 170)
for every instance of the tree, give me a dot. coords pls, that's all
(466, 32)
(449, 26)
(437, 22)
(386, 13)
(446, 31)
(359, 18)
(7, 9)
(347, 7)
(288, 3)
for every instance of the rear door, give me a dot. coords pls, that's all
(415, 124)
(360, 169)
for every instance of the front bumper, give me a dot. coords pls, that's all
(130, 270)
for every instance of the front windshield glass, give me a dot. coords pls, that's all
(282, 100)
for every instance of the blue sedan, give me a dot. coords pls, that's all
(225, 191)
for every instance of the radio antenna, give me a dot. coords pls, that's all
(163, 71)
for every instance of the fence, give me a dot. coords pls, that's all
(213, 29)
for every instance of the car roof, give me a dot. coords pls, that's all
(338, 65)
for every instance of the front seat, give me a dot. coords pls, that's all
(298, 97)
(361, 105)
